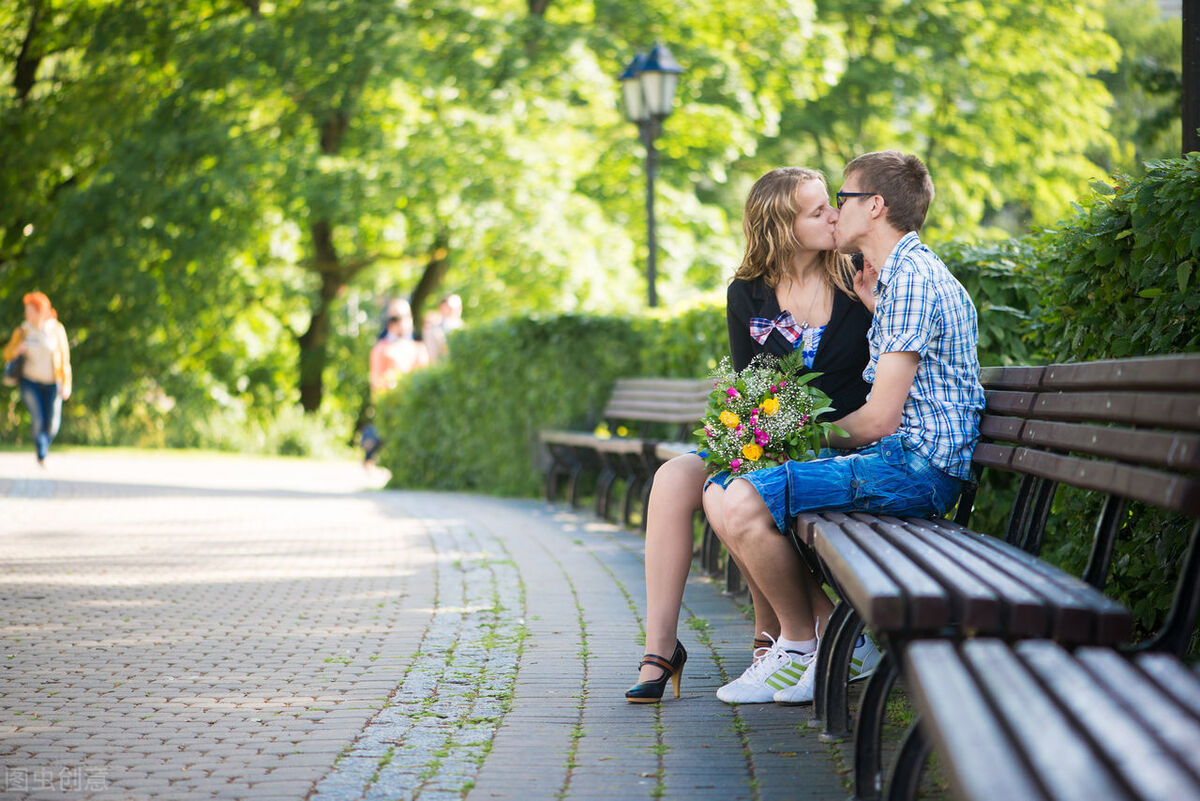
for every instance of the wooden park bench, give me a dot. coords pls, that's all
(1017, 669)
(654, 410)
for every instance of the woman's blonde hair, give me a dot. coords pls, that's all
(769, 223)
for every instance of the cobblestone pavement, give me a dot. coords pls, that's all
(178, 627)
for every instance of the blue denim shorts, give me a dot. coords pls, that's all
(886, 477)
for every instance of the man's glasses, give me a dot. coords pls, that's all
(842, 197)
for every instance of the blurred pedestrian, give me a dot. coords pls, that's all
(43, 368)
(394, 354)
(439, 324)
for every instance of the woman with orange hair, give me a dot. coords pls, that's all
(45, 372)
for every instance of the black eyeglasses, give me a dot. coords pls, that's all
(842, 197)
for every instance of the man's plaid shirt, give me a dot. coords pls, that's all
(921, 308)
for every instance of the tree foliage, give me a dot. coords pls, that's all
(218, 194)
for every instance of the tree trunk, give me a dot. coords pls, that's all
(313, 342)
(326, 264)
(26, 67)
(431, 278)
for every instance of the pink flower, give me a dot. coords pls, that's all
(774, 388)
(735, 464)
(761, 437)
(782, 384)
(738, 430)
(732, 392)
(708, 432)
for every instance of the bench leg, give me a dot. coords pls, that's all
(649, 485)
(631, 492)
(710, 550)
(573, 485)
(868, 767)
(905, 780)
(821, 692)
(733, 577)
(603, 487)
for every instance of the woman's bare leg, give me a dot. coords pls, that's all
(674, 500)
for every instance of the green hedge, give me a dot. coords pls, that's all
(471, 422)
(1120, 279)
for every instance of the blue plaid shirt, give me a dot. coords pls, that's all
(921, 308)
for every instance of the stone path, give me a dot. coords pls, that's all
(178, 627)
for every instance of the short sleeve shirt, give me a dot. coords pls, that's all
(922, 308)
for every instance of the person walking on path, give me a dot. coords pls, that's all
(439, 325)
(393, 354)
(914, 436)
(794, 284)
(45, 369)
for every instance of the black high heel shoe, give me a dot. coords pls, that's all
(648, 692)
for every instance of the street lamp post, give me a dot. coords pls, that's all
(649, 84)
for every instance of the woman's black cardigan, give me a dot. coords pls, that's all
(841, 355)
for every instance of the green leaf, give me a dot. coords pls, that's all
(1183, 274)
(1150, 293)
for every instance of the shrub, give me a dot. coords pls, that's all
(1117, 280)
(471, 422)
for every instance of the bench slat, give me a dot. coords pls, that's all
(1156, 448)
(1078, 612)
(925, 601)
(663, 414)
(1172, 373)
(1021, 611)
(982, 766)
(1160, 411)
(1019, 404)
(1007, 429)
(1141, 696)
(665, 384)
(1174, 678)
(574, 438)
(1016, 378)
(974, 605)
(1175, 493)
(619, 445)
(997, 456)
(1045, 734)
(666, 451)
(872, 592)
(1134, 752)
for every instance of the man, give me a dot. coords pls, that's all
(913, 438)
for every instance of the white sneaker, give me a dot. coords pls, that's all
(864, 659)
(802, 691)
(773, 669)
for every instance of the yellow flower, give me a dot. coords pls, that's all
(730, 419)
(770, 406)
(752, 451)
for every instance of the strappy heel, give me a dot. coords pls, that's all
(648, 692)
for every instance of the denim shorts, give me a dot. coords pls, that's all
(886, 477)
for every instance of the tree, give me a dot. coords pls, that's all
(206, 185)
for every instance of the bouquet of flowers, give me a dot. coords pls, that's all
(763, 416)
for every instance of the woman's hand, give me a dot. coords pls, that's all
(864, 285)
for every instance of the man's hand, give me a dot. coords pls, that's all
(881, 414)
(864, 285)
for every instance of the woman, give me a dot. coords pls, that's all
(798, 292)
(393, 354)
(45, 380)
